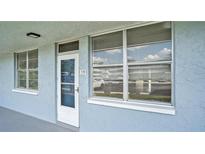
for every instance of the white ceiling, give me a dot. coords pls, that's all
(13, 34)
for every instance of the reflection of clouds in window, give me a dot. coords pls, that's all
(165, 51)
(112, 52)
(99, 60)
(107, 57)
(112, 73)
(151, 52)
(130, 59)
(152, 57)
(164, 54)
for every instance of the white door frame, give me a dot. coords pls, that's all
(68, 115)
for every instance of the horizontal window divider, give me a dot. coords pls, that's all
(22, 60)
(33, 58)
(149, 63)
(67, 83)
(130, 64)
(148, 43)
(105, 49)
(107, 65)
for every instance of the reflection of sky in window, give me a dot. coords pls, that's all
(151, 52)
(113, 56)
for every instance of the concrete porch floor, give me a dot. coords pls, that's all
(11, 121)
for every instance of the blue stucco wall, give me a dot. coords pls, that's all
(189, 91)
(41, 106)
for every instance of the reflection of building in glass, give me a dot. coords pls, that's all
(143, 80)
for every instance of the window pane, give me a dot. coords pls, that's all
(71, 46)
(33, 54)
(21, 60)
(112, 40)
(33, 84)
(22, 75)
(21, 79)
(21, 83)
(108, 81)
(68, 95)
(33, 79)
(107, 57)
(33, 63)
(33, 59)
(151, 33)
(21, 56)
(68, 71)
(22, 64)
(150, 82)
(33, 75)
(21, 72)
(150, 52)
(107, 65)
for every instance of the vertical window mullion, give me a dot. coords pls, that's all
(27, 73)
(16, 70)
(125, 67)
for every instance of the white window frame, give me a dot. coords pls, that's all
(26, 90)
(141, 105)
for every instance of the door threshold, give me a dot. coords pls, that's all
(72, 128)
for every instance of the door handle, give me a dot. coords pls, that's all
(77, 89)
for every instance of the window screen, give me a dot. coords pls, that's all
(71, 46)
(107, 41)
(151, 33)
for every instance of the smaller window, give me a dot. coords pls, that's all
(27, 70)
(71, 46)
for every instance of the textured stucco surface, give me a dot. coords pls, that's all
(189, 84)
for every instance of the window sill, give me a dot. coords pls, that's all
(25, 91)
(140, 106)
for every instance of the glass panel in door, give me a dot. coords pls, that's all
(68, 83)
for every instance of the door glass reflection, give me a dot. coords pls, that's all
(67, 83)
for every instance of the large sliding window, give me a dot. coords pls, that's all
(134, 64)
(27, 70)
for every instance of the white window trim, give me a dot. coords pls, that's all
(134, 105)
(141, 105)
(26, 91)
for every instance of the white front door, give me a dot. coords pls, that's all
(68, 89)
